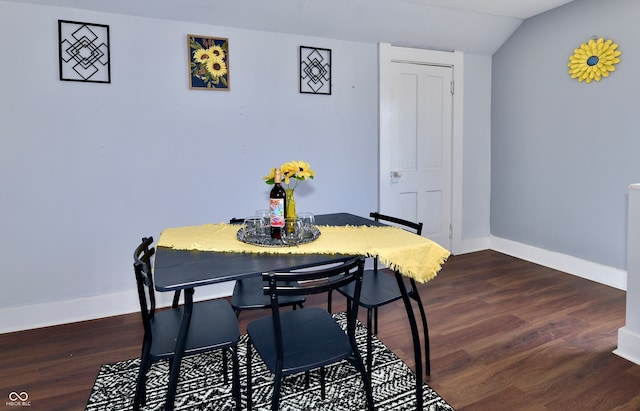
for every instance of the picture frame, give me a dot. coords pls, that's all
(208, 63)
(84, 52)
(315, 70)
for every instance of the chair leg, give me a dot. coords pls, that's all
(140, 397)
(225, 368)
(249, 387)
(236, 377)
(415, 336)
(367, 389)
(329, 294)
(176, 299)
(375, 321)
(369, 341)
(356, 360)
(275, 400)
(323, 390)
(415, 295)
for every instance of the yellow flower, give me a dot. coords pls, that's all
(216, 67)
(593, 60)
(203, 55)
(297, 170)
(303, 171)
(218, 52)
(288, 170)
(270, 177)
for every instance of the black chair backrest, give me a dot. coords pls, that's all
(314, 282)
(405, 224)
(144, 279)
(416, 227)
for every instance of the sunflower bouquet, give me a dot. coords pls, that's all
(292, 173)
(209, 61)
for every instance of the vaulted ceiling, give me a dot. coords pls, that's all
(475, 26)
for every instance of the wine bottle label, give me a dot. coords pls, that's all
(276, 207)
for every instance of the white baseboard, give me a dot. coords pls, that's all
(68, 311)
(602, 274)
(628, 345)
(82, 309)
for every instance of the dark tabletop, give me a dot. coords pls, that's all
(179, 269)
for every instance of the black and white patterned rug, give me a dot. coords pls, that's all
(201, 385)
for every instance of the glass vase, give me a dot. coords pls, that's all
(290, 203)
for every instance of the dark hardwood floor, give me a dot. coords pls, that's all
(506, 334)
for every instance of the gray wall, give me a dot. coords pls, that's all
(87, 169)
(476, 184)
(562, 152)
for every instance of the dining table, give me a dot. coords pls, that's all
(190, 257)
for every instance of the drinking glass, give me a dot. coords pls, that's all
(253, 227)
(308, 222)
(265, 216)
(292, 231)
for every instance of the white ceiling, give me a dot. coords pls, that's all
(476, 26)
(521, 9)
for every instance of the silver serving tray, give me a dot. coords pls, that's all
(276, 242)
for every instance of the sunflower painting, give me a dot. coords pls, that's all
(594, 60)
(208, 63)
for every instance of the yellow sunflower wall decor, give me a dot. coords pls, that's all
(594, 60)
(208, 63)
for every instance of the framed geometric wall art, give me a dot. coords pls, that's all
(315, 70)
(84, 52)
(208, 63)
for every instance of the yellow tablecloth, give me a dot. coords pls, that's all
(413, 256)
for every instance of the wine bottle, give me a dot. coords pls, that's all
(277, 204)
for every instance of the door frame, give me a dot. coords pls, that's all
(387, 55)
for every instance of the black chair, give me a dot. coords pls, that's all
(309, 338)
(249, 295)
(213, 326)
(380, 287)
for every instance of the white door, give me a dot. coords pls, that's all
(416, 146)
